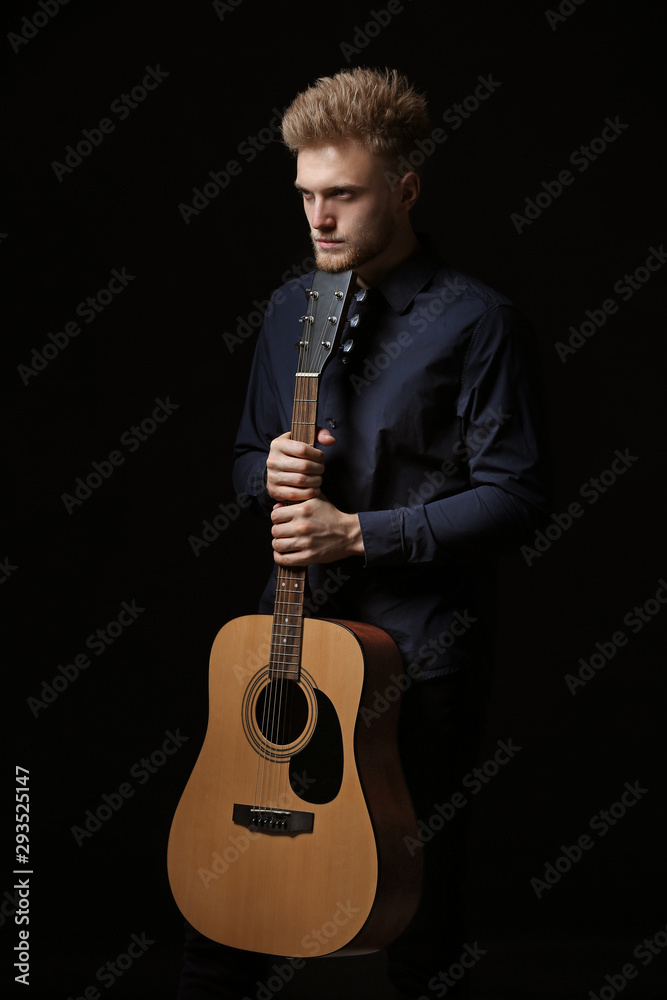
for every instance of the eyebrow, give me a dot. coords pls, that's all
(331, 188)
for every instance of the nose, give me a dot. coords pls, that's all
(322, 217)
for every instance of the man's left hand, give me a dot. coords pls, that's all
(314, 532)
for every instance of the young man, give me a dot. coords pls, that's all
(427, 462)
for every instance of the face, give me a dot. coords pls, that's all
(357, 219)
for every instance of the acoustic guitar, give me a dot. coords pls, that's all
(289, 836)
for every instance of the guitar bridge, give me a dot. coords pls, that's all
(264, 819)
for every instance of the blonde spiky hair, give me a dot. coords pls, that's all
(377, 109)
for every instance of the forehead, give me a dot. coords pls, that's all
(338, 165)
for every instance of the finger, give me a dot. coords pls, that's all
(283, 513)
(286, 447)
(288, 559)
(294, 471)
(325, 437)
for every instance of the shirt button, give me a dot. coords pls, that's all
(331, 422)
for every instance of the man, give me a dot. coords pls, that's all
(427, 462)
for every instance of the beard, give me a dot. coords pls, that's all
(361, 244)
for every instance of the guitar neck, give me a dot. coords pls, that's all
(287, 630)
(328, 302)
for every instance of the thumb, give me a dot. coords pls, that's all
(325, 437)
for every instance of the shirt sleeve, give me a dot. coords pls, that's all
(502, 440)
(262, 419)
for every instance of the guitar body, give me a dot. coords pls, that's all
(289, 839)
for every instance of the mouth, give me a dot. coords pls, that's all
(327, 244)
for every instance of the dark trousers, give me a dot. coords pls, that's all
(439, 729)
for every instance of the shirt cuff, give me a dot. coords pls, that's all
(381, 534)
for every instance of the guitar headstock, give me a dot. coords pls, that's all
(329, 299)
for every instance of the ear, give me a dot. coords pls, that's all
(409, 189)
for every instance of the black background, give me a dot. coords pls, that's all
(67, 573)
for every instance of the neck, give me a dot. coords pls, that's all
(374, 271)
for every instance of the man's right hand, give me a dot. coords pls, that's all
(294, 469)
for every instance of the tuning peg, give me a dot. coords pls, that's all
(355, 320)
(346, 348)
(361, 295)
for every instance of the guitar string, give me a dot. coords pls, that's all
(275, 686)
(306, 411)
(278, 706)
(295, 608)
(268, 714)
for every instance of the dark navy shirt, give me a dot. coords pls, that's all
(439, 449)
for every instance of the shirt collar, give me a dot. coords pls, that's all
(404, 284)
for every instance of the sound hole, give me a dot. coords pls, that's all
(281, 712)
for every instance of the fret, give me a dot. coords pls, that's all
(326, 314)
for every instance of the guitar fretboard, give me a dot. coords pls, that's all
(287, 630)
(328, 302)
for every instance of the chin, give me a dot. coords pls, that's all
(331, 266)
(333, 261)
